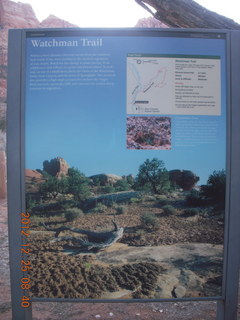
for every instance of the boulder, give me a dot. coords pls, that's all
(105, 179)
(56, 167)
(179, 292)
(185, 179)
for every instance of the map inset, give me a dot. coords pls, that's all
(148, 87)
(184, 85)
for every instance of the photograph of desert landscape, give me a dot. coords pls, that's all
(153, 236)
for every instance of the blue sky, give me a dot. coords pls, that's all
(86, 125)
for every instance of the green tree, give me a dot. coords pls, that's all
(153, 176)
(63, 185)
(50, 188)
(78, 185)
(122, 185)
(215, 188)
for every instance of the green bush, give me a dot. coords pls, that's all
(54, 207)
(191, 212)
(122, 185)
(100, 208)
(73, 214)
(30, 202)
(215, 188)
(134, 200)
(121, 209)
(149, 220)
(108, 189)
(163, 202)
(149, 198)
(194, 199)
(112, 204)
(168, 209)
(161, 197)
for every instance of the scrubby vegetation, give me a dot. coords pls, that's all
(169, 209)
(191, 212)
(151, 211)
(72, 214)
(149, 220)
(57, 194)
(121, 210)
(153, 176)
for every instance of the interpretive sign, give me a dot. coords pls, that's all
(124, 159)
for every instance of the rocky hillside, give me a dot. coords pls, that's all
(15, 16)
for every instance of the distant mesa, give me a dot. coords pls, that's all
(33, 175)
(185, 179)
(55, 22)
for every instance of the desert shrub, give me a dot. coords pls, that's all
(149, 220)
(168, 209)
(149, 198)
(163, 202)
(192, 212)
(108, 189)
(122, 185)
(134, 200)
(30, 202)
(140, 232)
(215, 188)
(112, 204)
(54, 207)
(121, 209)
(161, 196)
(73, 214)
(130, 180)
(66, 204)
(194, 199)
(100, 208)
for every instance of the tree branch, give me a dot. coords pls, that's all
(187, 14)
(100, 240)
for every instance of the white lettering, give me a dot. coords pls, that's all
(92, 43)
(54, 43)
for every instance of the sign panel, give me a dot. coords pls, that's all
(125, 163)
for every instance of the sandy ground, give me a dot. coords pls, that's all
(104, 311)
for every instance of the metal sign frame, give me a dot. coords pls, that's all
(227, 304)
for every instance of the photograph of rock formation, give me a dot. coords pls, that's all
(151, 133)
(149, 236)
